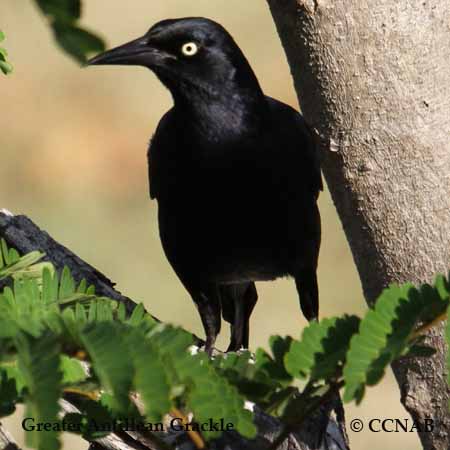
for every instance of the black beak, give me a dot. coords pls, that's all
(137, 52)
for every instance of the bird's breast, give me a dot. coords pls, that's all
(233, 218)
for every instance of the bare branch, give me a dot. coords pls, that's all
(7, 442)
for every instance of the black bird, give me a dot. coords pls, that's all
(235, 174)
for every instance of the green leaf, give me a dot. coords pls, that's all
(50, 285)
(22, 306)
(385, 332)
(72, 328)
(77, 42)
(35, 271)
(72, 370)
(80, 314)
(137, 315)
(211, 396)
(12, 264)
(321, 351)
(251, 376)
(90, 290)
(82, 287)
(92, 413)
(279, 400)
(105, 344)
(66, 284)
(121, 313)
(4, 251)
(61, 10)
(6, 68)
(274, 365)
(38, 361)
(20, 263)
(12, 372)
(207, 393)
(262, 378)
(8, 257)
(150, 378)
(8, 395)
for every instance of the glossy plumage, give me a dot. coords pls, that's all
(235, 174)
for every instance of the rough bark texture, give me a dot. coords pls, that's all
(323, 430)
(374, 79)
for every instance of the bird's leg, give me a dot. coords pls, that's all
(243, 307)
(209, 309)
(306, 283)
(251, 297)
(237, 327)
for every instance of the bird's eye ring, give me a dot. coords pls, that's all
(189, 49)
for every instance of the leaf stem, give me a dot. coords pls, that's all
(193, 435)
(426, 327)
(94, 395)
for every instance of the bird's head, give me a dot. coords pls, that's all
(196, 58)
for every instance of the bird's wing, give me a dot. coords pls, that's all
(159, 154)
(299, 146)
(311, 150)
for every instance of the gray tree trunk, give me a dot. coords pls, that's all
(373, 77)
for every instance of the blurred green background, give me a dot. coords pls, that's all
(73, 158)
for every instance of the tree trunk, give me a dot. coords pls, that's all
(374, 79)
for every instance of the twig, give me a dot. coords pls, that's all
(157, 444)
(313, 406)
(7, 442)
(428, 326)
(155, 441)
(95, 396)
(193, 435)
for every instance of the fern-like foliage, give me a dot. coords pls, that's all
(65, 321)
(321, 352)
(38, 362)
(205, 383)
(5, 65)
(63, 18)
(58, 338)
(261, 377)
(386, 332)
(16, 266)
(103, 341)
(151, 376)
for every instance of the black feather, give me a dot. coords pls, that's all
(235, 173)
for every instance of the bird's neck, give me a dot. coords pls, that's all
(223, 115)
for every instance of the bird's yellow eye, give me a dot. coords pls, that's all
(189, 49)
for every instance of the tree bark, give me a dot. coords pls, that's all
(323, 430)
(373, 78)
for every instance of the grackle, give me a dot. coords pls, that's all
(235, 173)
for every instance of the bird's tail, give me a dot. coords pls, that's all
(306, 282)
